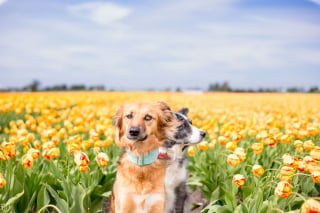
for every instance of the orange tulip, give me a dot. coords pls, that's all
(257, 148)
(203, 145)
(315, 153)
(241, 153)
(289, 160)
(51, 153)
(34, 153)
(222, 140)
(9, 149)
(258, 170)
(81, 158)
(308, 145)
(316, 176)
(27, 161)
(310, 206)
(3, 181)
(233, 159)
(283, 189)
(102, 159)
(191, 151)
(239, 180)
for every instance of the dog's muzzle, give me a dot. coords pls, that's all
(134, 133)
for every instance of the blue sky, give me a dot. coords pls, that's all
(160, 44)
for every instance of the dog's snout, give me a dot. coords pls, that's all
(134, 131)
(202, 133)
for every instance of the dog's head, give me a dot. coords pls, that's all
(140, 127)
(183, 132)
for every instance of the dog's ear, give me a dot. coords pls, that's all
(167, 114)
(163, 106)
(184, 111)
(117, 122)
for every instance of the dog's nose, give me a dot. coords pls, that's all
(134, 131)
(203, 134)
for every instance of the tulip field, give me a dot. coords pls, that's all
(261, 152)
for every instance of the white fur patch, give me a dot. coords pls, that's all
(175, 175)
(195, 137)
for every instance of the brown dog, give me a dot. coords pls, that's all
(139, 185)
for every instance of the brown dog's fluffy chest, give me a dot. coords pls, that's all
(141, 179)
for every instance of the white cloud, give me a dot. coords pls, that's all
(100, 12)
(2, 2)
(315, 1)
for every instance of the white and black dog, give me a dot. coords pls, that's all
(176, 176)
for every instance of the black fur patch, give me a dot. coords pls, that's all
(181, 161)
(181, 196)
(184, 129)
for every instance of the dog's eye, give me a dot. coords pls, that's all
(190, 121)
(129, 116)
(147, 117)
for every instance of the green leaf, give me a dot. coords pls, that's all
(61, 204)
(13, 199)
(78, 195)
(307, 185)
(42, 198)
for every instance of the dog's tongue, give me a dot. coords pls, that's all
(163, 155)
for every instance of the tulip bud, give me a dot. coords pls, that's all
(203, 145)
(257, 148)
(310, 206)
(102, 159)
(239, 180)
(283, 189)
(257, 170)
(191, 151)
(3, 181)
(233, 159)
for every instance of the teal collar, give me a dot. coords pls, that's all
(146, 159)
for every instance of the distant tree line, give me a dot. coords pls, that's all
(225, 87)
(34, 86)
(214, 87)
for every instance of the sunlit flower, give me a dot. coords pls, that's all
(2, 156)
(239, 180)
(257, 148)
(35, 153)
(203, 145)
(298, 144)
(51, 153)
(37, 144)
(231, 145)
(301, 166)
(9, 149)
(289, 160)
(222, 140)
(315, 153)
(83, 168)
(3, 181)
(287, 171)
(283, 189)
(308, 145)
(191, 151)
(27, 161)
(102, 159)
(81, 158)
(241, 153)
(316, 176)
(310, 206)
(285, 139)
(270, 141)
(233, 159)
(258, 170)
